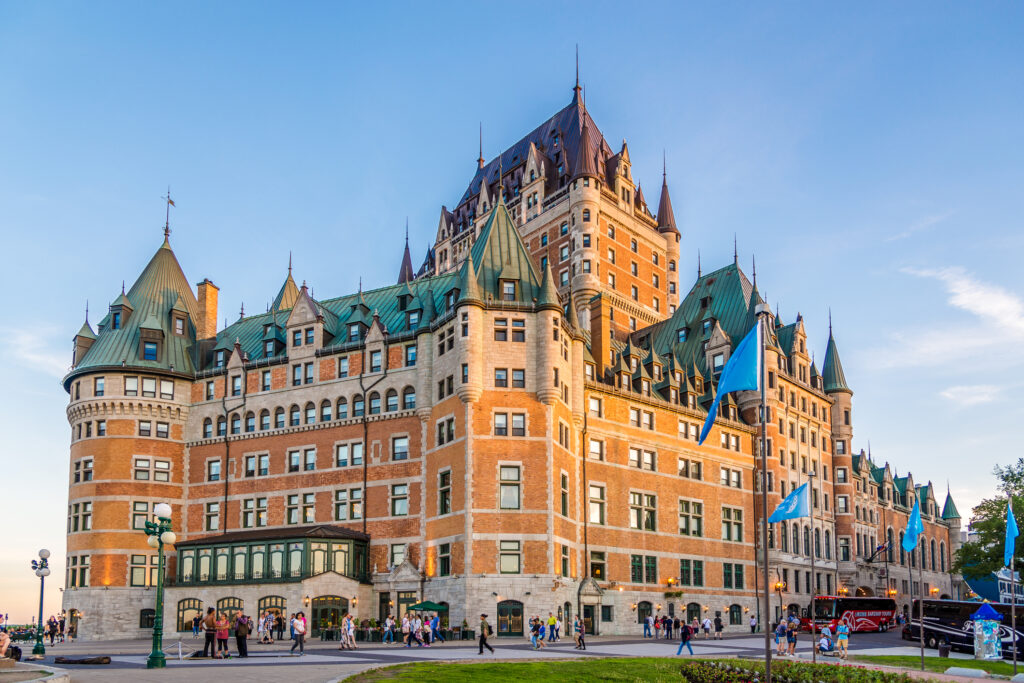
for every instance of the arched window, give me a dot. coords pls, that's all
(409, 398)
(188, 609)
(807, 541)
(230, 607)
(784, 537)
(250, 422)
(236, 424)
(796, 539)
(207, 428)
(735, 615)
(357, 406)
(923, 547)
(903, 553)
(692, 611)
(374, 403)
(942, 555)
(342, 409)
(933, 554)
(294, 418)
(643, 610)
(817, 543)
(890, 550)
(828, 544)
(279, 418)
(264, 420)
(310, 413)
(325, 411)
(146, 618)
(274, 604)
(392, 401)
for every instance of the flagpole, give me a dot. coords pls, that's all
(920, 604)
(1013, 612)
(760, 311)
(814, 575)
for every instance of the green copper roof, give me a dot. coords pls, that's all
(949, 510)
(856, 462)
(86, 331)
(725, 295)
(832, 375)
(159, 288)
(499, 254)
(878, 474)
(287, 295)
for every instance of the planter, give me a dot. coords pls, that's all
(468, 634)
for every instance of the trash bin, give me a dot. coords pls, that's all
(944, 648)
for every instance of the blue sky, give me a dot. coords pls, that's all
(869, 154)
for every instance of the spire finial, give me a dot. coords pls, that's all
(86, 311)
(406, 231)
(360, 284)
(241, 311)
(829, 321)
(167, 217)
(576, 88)
(753, 261)
(122, 286)
(735, 250)
(480, 159)
(289, 263)
(664, 168)
(698, 264)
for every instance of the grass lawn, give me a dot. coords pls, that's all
(938, 664)
(612, 669)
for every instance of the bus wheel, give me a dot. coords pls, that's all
(932, 642)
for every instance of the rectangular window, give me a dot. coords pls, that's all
(399, 500)
(501, 424)
(410, 355)
(400, 448)
(375, 362)
(444, 488)
(149, 350)
(509, 557)
(597, 565)
(444, 559)
(343, 367)
(642, 511)
(142, 469)
(518, 424)
(597, 502)
(291, 511)
(296, 375)
(636, 568)
(162, 430)
(564, 499)
(596, 449)
(145, 428)
(348, 454)
(650, 569)
(166, 389)
(691, 518)
(501, 329)
(509, 493)
(348, 504)
(500, 377)
(518, 379)
(397, 554)
(691, 469)
(519, 330)
(309, 461)
(732, 524)
(140, 514)
(212, 517)
(309, 373)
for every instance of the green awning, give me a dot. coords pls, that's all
(427, 607)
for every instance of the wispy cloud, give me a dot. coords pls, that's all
(999, 313)
(972, 394)
(37, 351)
(925, 223)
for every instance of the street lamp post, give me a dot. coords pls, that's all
(42, 569)
(159, 533)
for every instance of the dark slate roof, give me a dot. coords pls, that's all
(161, 287)
(666, 217)
(832, 375)
(314, 531)
(949, 510)
(405, 273)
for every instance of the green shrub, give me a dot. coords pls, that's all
(742, 671)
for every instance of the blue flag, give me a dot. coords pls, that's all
(740, 373)
(796, 504)
(1011, 536)
(914, 528)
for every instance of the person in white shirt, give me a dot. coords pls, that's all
(649, 626)
(707, 627)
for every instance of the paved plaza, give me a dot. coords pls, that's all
(323, 662)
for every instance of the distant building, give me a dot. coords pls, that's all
(511, 430)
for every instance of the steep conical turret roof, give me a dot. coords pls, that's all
(666, 218)
(548, 295)
(469, 288)
(288, 293)
(586, 152)
(949, 510)
(832, 375)
(405, 273)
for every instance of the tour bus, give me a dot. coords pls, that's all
(860, 614)
(951, 620)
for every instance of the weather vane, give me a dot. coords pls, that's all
(167, 219)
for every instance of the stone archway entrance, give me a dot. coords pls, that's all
(865, 592)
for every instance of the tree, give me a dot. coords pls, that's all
(978, 559)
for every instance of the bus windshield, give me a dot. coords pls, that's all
(824, 608)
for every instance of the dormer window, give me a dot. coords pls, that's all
(150, 350)
(706, 326)
(353, 332)
(449, 300)
(413, 319)
(681, 335)
(632, 364)
(179, 326)
(508, 290)
(218, 359)
(115, 320)
(268, 349)
(718, 362)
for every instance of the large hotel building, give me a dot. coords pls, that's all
(512, 429)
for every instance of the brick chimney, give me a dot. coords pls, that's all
(206, 326)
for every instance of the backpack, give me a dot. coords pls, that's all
(490, 631)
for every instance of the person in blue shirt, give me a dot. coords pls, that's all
(435, 629)
(842, 638)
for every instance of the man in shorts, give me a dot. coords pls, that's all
(842, 639)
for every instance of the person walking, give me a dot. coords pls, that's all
(534, 632)
(389, 631)
(780, 638)
(648, 623)
(279, 623)
(685, 635)
(406, 636)
(753, 623)
(718, 626)
(197, 622)
(210, 631)
(350, 633)
(242, 628)
(552, 621)
(677, 624)
(343, 633)
(843, 638)
(485, 631)
(299, 629)
(435, 628)
(577, 633)
(668, 627)
(707, 627)
(223, 631)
